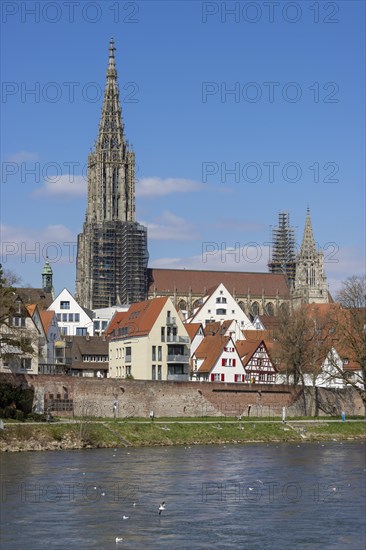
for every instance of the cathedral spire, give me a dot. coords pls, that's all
(308, 246)
(111, 165)
(111, 71)
(110, 136)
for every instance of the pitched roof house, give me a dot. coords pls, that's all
(217, 360)
(149, 342)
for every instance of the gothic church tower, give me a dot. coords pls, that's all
(310, 280)
(112, 249)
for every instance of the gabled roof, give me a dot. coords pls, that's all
(192, 329)
(116, 321)
(184, 281)
(139, 319)
(210, 350)
(88, 345)
(247, 349)
(37, 296)
(31, 308)
(257, 335)
(218, 328)
(46, 319)
(268, 321)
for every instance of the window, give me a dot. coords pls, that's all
(59, 317)
(77, 317)
(208, 311)
(96, 325)
(64, 305)
(153, 353)
(159, 353)
(159, 372)
(221, 311)
(128, 353)
(153, 372)
(26, 363)
(104, 324)
(128, 371)
(64, 331)
(64, 317)
(163, 334)
(71, 317)
(81, 331)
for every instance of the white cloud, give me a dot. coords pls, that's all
(23, 156)
(56, 242)
(169, 227)
(67, 185)
(217, 257)
(157, 187)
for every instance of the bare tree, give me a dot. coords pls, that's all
(349, 342)
(12, 336)
(353, 292)
(302, 344)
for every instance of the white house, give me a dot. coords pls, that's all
(72, 319)
(217, 360)
(218, 306)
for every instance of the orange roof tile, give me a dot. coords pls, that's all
(192, 329)
(31, 308)
(209, 350)
(46, 318)
(139, 319)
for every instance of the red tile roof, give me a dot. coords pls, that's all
(138, 320)
(46, 319)
(236, 282)
(209, 350)
(192, 329)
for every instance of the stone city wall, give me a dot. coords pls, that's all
(74, 396)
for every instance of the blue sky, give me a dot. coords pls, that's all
(233, 117)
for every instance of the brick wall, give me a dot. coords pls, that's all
(95, 397)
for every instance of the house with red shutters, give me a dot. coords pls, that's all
(217, 360)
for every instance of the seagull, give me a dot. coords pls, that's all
(125, 517)
(134, 504)
(162, 507)
(119, 539)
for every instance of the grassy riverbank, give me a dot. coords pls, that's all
(92, 434)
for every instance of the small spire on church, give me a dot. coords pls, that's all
(111, 65)
(308, 246)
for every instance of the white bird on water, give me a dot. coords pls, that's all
(119, 539)
(162, 507)
(125, 517)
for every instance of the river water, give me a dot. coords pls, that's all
(258, 496)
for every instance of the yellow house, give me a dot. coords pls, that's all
(149, 342)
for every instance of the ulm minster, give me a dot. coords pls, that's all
(112, 261)
(129, 321)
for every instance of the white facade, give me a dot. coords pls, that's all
(220, 306)
(226, 367)
(103, 316)
(72, 319)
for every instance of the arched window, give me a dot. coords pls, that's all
(182, 305)
(254, 308)
(270, 309)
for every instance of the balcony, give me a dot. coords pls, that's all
(178, 373)
(176, 338)
(177, 358)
